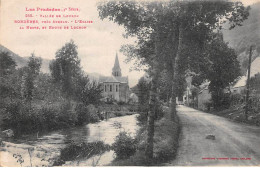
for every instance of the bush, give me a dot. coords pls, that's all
(236, 98)
(138, 159)
(208, 105)
(49, 114)
(67, 116)
(118, 114)
(124, 145)
(93, 113)
(254, 103)
(120, 103)
(83, 114)
(21, 118)
(93, 117)
(24, 119)
(142, 117)
(159, 112)
(84, 150)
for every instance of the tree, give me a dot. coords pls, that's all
(143, 94)
(223, 70)
(165, 86)
(32, 70)
(65, 69)
(88, 92)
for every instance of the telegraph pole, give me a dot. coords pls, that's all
(247, 83)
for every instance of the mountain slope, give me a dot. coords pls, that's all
(22, 61)
(241, 37)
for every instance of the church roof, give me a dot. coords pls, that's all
(112, 79)
(122, 79)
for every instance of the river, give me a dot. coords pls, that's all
(41, 150)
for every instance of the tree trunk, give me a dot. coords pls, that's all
(152, 103)
(176, 67)
(151, 116)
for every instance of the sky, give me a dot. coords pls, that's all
(97, 45)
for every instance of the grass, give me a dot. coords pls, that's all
(166, 139)
(237, 114)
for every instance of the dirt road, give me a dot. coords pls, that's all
(234, 145)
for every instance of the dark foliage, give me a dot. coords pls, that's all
(143, 87)
(84, 150)
(32, 101)
(124, 145)
(223, 71)
(24, 119)
(7, 64)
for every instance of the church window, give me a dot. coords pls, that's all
(110, 87)
(116, 88)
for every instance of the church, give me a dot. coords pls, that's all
(116, 86)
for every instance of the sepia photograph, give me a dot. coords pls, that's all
(119, 83)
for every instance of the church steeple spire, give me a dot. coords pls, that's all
(116, 71)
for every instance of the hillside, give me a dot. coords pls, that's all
(240, 38)
(22, 61)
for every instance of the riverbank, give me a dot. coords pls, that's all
(46, 149)
(166, 138)
(20, 119)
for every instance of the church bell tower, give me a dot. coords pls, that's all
(116, 71)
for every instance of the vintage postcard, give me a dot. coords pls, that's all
(129, 83)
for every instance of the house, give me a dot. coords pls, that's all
(240, 85)
(204, 95)
(186, 97)
(115, 87)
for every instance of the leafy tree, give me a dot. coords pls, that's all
(143, 94)
(65, 69)
(67, 73)
(143, 88)
(88, 92)
(47, 90)
(223, 70)
(32, 70)
(165, 86)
